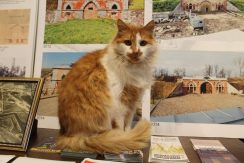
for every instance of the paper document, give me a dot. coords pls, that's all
(6, 158)
(36, 160)
(164, 149)
(88, 160)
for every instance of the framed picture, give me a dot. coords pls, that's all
(19, 98)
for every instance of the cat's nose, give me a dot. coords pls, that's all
(134, 48)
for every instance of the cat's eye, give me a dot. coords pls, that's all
(128, 42)
(143, 43)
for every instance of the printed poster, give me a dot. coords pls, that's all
(68, 30)
(88, 22)
(18, 19)
(199, 73)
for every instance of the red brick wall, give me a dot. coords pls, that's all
(210, 85)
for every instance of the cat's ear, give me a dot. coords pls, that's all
(150, 26)
(121, 26)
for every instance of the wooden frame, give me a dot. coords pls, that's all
(19, 98)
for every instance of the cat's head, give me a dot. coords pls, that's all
(135, 44)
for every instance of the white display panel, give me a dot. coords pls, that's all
(17, 37)
(195, 100)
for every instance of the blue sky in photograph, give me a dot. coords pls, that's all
(55, 59)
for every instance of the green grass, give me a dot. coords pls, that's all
(238, 3)
(164, 5)
(136, 5)
(78, 31)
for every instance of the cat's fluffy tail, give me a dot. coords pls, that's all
(112, 141)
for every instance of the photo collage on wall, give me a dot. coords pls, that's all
(73, 28)
(199, 74)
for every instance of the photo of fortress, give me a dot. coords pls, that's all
(203, 5)
(81, 9)
(198, 87)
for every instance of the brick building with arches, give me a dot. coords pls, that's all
(202, 85)
(204, 5)
(90, 9)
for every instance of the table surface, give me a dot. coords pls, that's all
(235, 146)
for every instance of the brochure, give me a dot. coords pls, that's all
(211, 151)
(166, 149)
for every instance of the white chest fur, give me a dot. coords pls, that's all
(120, 74)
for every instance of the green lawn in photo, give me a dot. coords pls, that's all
(238, 3)
(80, 31)
(136, 4)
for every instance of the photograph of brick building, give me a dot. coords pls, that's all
(201, 85)
(203, 5)
(198, 87)
(53, 80)
(76, 21)
(93, 9)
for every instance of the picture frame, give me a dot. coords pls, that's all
(19, 99)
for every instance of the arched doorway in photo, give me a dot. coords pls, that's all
(206, 87)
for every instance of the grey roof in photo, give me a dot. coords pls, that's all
(219, 116)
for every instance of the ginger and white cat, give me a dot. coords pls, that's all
(99, 96)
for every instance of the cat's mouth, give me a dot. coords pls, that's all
(134, 60)
(134, 57)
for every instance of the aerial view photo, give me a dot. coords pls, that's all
(16, 99)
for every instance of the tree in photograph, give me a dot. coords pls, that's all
(208, 70)
(239, 61)
(228, 73)
(180, 72)
(160, 73)
(164, 72)
(164, 5)
(216, 69)
(222, 73)
(155, 73)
